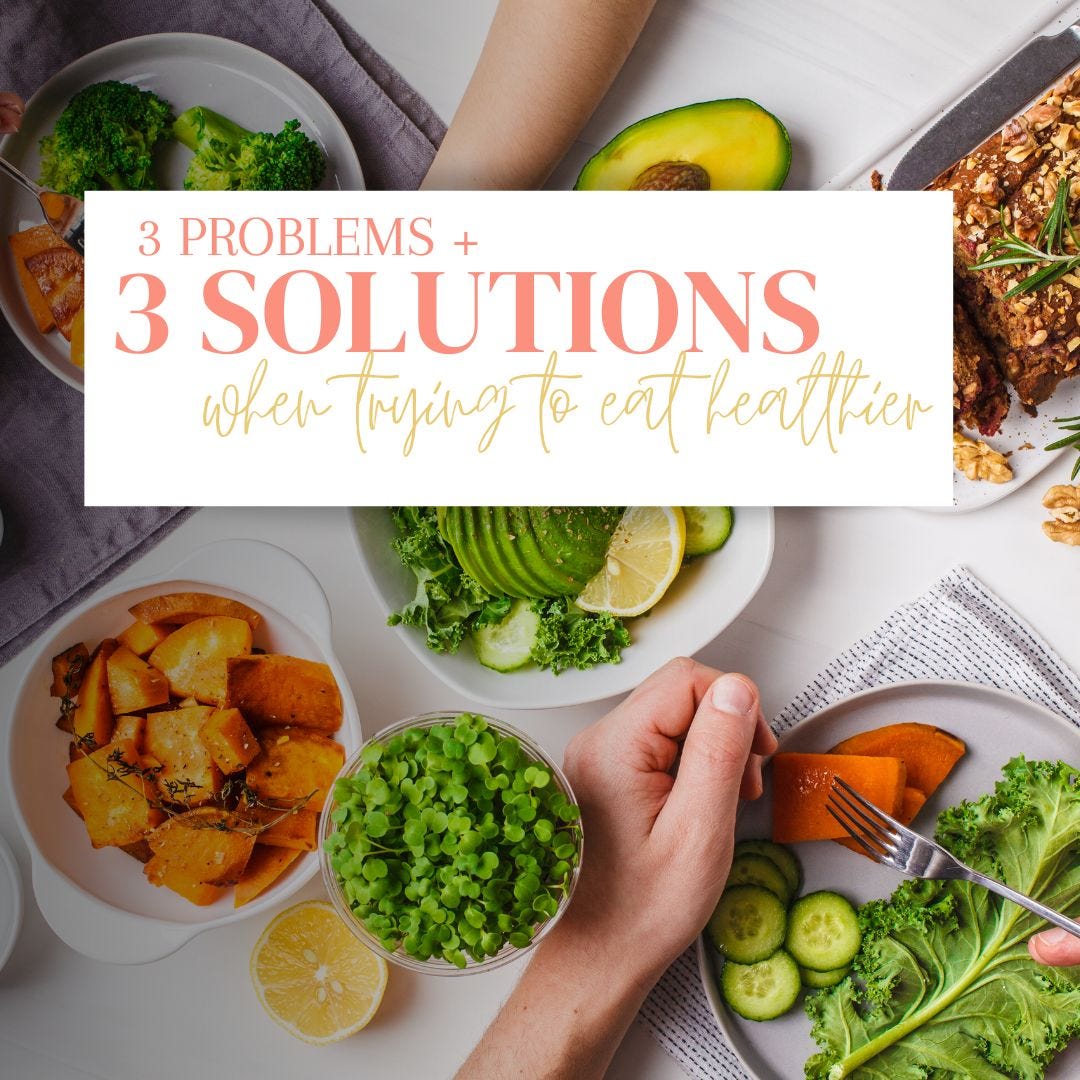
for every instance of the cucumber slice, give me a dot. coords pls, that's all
(761, 991)
(751, 869)
(507, 645)
(822, 980)
(748, 924)
(707, 528)
(783, 857)
(823, 932)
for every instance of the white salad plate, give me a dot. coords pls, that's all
(11, 903)
(706, 597)
(997, 726)
(242, 83)
(99, 902)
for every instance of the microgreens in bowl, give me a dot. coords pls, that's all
(449, 839)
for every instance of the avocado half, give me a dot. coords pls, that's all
(728, 145)
(530, 552)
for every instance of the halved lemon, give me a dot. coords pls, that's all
(644, 555)
(314, 977)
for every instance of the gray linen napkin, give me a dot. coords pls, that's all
(956, 630)
(54, 550)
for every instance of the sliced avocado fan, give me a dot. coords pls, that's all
(530, 552)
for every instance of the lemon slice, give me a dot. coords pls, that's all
(644, 555)
(313, 976)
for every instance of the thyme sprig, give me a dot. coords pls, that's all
(1070, 424)
(236, 795)
(1049, 249)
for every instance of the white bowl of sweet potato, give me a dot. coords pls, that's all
(171, 748)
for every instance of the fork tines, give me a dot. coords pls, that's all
(873, 830)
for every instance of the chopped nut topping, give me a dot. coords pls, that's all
(979, 461)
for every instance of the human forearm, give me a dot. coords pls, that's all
(566, 1016)
(542, 72)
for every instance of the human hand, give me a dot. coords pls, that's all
(658, 848)
(11, 111)
(1056, 947)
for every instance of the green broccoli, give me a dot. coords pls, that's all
(105, 139)
(231, 158)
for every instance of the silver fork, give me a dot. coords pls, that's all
(63, 212)
(888, 842)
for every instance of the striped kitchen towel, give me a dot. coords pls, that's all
(957, 630)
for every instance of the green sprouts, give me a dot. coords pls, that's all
(451, 841)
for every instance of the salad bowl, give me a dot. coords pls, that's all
(704, 599)
(98, 901)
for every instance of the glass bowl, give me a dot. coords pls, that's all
(437, 965)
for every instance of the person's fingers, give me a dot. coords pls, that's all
(765, 742)
(667, 700)
(714, 756)
(752, 784)
(1056, 947)
(11, 110)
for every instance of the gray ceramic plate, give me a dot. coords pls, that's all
(996, 727)
(10, 902)
(185, 69)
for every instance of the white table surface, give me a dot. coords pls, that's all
(845, 78)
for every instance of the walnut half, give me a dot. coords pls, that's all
(978, 461)
(1063, 502)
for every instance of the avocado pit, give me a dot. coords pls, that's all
(672, 176)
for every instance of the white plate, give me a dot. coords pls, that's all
(996, 727)
(99, 902)
(706, 597)
(185, 69)
(1019, 429)
(10, 902)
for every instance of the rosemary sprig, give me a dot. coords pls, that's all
(1072, 425)
(1009, 250)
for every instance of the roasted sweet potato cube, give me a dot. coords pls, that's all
(297, 831)
(92, 721)
(68, 669)
(133, 684)
(229, 740)
(143, 638)
(199, 894)
(186, 703)
(132, 728)
(113, 797)
(139, 850)
(186, 607)
(264, 867)
(69, 798)
(274, 689)
(58, 273)
(201, 847)
(193, 657)
(186, 773)
(292, 764)
(25, 245)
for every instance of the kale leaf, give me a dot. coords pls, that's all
(449, 603)
(943, 984)
(571, 638)
(447, 599)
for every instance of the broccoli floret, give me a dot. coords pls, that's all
(105, 139)
(231, 158)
